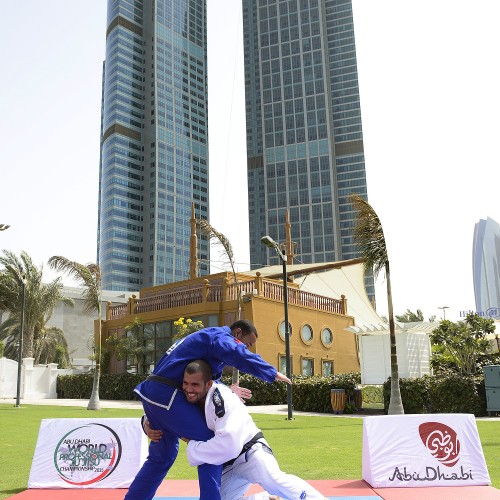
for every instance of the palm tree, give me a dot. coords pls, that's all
(410, 316)
(89, 277)
(40, 299)
(50, 346)
(369, 236)
(212, 233)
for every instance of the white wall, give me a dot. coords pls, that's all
(413, 350)
(37, 381)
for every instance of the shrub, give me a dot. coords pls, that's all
(309, 393)
(114, 387)
(372, 394)
(448, 392)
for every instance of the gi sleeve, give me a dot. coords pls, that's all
(223, 411)
(234, 353)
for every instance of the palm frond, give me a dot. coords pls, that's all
(208, 230)
(369, 235)
(87, 275)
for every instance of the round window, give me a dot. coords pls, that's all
(306, 334)
(326, 337)
(282, 330)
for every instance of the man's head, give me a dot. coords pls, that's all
(197, 381)
(244, 331)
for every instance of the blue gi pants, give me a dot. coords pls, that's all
(168, 410)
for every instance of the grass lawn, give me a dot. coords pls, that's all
(310, 447)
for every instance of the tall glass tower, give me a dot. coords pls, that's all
(154, 141)
(486, 267)
(304, 134)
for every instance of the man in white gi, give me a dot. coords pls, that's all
(237, 443)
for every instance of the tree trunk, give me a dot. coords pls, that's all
(94, 402)
(28, 342)
(395, 404)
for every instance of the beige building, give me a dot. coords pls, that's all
(320, 343)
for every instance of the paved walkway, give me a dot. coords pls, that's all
(136, 405)
(266, 409)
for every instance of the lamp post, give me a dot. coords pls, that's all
(444, 311)
(20, 348)
(270, 243)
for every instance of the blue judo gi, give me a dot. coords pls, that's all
(167, 408)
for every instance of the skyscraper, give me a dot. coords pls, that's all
(304, 135)
(486, 267)
(154, 141)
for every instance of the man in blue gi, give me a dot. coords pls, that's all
(167, 409)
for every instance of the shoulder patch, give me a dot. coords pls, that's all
(218, 402)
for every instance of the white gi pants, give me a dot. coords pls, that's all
(258, 465)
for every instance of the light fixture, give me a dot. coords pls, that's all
(270, 243)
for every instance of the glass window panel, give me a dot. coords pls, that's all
(306, 333)
(307, 367)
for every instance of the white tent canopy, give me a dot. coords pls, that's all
(334, 279)
(345, 279)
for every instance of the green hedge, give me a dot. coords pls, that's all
(113, 387)
(445, 393)
(309, 393)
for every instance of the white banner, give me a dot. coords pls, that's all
(88, 453)
(423, 450)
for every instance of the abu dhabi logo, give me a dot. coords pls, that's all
(87, 454)
(441, 441)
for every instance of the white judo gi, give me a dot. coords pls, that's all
(233, 427)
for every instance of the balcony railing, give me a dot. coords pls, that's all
(259, 286)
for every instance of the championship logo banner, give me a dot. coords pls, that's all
(423, 450)
(88, 453)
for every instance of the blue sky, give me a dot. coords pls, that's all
(429, 82)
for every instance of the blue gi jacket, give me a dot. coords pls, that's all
(216, 346)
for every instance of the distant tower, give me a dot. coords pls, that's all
(486, 267)
(304, 135)
(154, 142)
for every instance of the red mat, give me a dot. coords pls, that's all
(341, 488)
(440, 493)
(189, 489)
(332, 489)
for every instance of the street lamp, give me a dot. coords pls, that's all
(20, 348)
(444, 311)
(270, 243)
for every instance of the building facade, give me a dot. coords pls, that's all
(154, 142)
(304, 134)
(319, 341)
(486, 267)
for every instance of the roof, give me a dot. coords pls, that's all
(334, 279)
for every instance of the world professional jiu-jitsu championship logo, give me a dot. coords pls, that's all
(87, 454)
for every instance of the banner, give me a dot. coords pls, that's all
(423, 450)
(88, 453)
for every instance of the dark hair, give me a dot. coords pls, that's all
(245, 326)
(199, 366)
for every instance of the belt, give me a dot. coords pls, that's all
(245, 448)
(165, 381)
